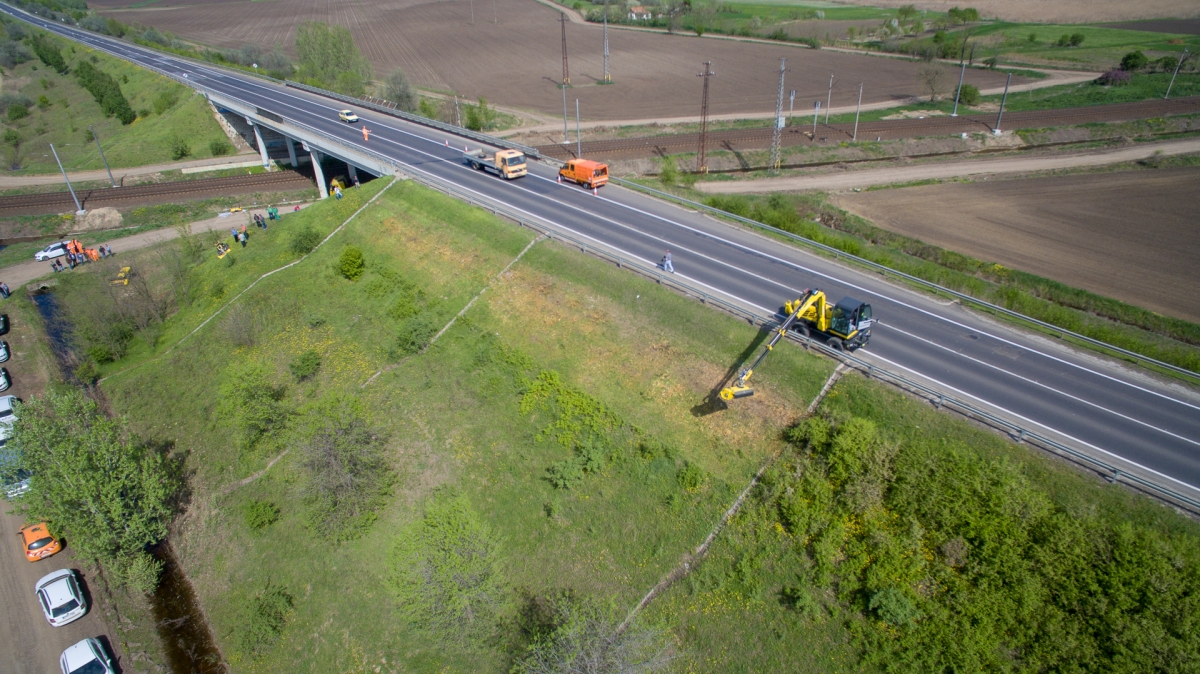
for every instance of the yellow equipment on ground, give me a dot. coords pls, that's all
(847, 325)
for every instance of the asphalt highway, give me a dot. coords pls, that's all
(1113, 411)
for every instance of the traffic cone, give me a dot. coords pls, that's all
(595, 193)
(447, 142)
(560, 179)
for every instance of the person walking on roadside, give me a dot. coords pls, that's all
(666, 262)
(109, 249)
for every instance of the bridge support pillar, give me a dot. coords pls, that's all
(319, 174)
(351, 171)
(262, 146)
(291, 145)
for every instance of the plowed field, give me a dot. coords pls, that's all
(517, 62)
(1127, 235)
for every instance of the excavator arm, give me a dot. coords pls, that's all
(740, 388)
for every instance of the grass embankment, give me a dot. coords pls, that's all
(1038, 44)
(168, 114)
(1170, 340)
(551, 450)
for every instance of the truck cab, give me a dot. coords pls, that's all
(507, 164)
(851, 321)
(585, 172)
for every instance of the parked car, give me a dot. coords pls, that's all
(14, 480)
(4, 352)
(3, 324)
(39, 543)
(56, 249)
(347, 116)
(86, 657)
(61, 600)
(8, 413)
(5, 380)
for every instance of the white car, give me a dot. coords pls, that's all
(347, 116)
(86, 657)
(7, 414)
(61, 600)
(4, 353)
(52, 251)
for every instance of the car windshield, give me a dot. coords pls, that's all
(41, 543)
(517, 160)
(65, 608)
(4, 414)
(93, 667)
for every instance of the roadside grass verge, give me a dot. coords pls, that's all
(167, 111)
(1037, 44)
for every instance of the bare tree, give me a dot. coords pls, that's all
(347, 470)
(397, 89)
(585, 640)
(933, 78)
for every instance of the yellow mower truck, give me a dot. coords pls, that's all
(507, 164)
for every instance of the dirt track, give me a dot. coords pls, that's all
(948, 170)
(517, 61)
(1128, 235)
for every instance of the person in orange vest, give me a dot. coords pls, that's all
(366, 133)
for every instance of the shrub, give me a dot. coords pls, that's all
(351, 264)
(565, 474)
(48, 53)
(305, 241)
(1076, 39)
(254, 404)
(106, 91)
(1134, 61)
(1114, 78)
(220, 147)
(87, 372)
(669, 175)
(445, 569)
(260, 514)
(347, 473)
(893, 607)
(414, 335)
(17, 111)
(691, 477)
(262, 619)
(396, 88)
(180, 148)
(138, 572)
(305, 365)
(969, 94)
(43, 102)
(573, 635)
(165, 101)
(13, 53)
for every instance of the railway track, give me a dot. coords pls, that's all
(890, 129)
(142, 195)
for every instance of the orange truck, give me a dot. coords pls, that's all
(586, 172)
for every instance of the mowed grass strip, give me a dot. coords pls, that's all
(452, 418)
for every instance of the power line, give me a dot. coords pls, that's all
(702, 157)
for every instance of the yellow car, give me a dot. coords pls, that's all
(347, 116)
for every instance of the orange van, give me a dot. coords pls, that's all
(38, 542)
(585, 172)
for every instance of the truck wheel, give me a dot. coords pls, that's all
(836, 344)
(475, 165)
(802, 330)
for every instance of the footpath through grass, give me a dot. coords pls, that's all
(521, 483)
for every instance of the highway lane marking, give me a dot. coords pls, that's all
(1048, 388)
(1036, 423)
(229, 80)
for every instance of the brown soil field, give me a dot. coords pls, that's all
(1133, 236)
(1174, 26)
(517, 62)
(1057, 11)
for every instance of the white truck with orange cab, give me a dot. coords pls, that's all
(507, 164)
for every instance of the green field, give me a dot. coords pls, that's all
(68, 109)
(553, 450)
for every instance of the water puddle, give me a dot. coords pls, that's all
(186, 639)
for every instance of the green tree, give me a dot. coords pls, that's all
(326, 52)
(480, 117)
(97, 485)
(351, 264)
(347, 471)
(48, 53)
(1133, 61)
(397, 89)
(255, 405)
(106, 91)
(969, 94)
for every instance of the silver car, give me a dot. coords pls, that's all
(86, 657)
(56, 249)
(61, 600)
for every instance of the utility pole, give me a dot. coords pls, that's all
(472, 12)
(102, 158)
(562, 19)
(776, 158)
(78, 208)
(607, 75)
(958, 93)
(565, 138)
(578, 135)
(495, 13)
(856, 111)
(457, 113)
(1002, 100)
(791, 105)
(702, 156)
(829, 98)
(816, 114)
(1182, 58)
